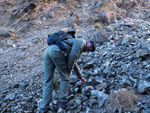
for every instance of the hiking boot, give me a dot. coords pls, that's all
(62, 104)
(43, 110)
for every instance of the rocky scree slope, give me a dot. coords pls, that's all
(121, 59)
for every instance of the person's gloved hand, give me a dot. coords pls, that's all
(82, 79)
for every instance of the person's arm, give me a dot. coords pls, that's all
(78, 73)
(77, 70)
(75, 52)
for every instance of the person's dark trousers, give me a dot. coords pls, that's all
(54, 58)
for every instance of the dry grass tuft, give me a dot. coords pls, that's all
(122, 99)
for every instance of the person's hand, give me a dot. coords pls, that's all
(69, 75)
(82, 79)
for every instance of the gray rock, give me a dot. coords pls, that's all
(143, 86)
(127, 4)
(142, 53)
(6, 34)
(101, 86)
(147, 77)
(100, 36)
(101, 98)
(11, 96)
(126, 83)
(78, 101)
(47, 14)
(89, 64)
(92, 102)
(108, 17)
(87, 89)
(16, 85)
(23, 84)
(61, 110)
(70, 97)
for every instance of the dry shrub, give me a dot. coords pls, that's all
(122, 99)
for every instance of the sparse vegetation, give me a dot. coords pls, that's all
(98, 26)
(121, 100)
(56, 84)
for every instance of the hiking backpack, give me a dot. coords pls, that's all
(58, 37)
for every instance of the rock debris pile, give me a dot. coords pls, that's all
(122, 61)
(119, 68)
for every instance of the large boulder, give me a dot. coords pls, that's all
(108, 17)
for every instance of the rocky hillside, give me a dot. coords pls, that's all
(121, 62)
